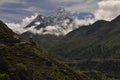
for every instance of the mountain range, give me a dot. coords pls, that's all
(58, 23)
(95, 45)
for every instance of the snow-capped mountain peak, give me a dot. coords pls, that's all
(58, 23)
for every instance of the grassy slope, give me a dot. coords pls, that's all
(21, 60)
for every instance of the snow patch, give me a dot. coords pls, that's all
(37, 23)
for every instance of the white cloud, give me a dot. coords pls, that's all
(107, 9)
(19, 27)
(81, 22)
(53, 30)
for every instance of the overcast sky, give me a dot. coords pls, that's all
(16, 10)
(21, 12)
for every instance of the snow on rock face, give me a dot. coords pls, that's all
(58, 23)
(65, 22)
(53, 30)
(37, 23)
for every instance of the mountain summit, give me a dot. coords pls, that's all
(58, 23)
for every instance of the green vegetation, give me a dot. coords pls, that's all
(4, 76)
(95, 75)
(108, 68)
(22, 60)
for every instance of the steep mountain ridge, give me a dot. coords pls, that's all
(39, 18)
(22, 60)
(7, 35)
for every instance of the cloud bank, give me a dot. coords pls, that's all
(107, 9)
(19, 27)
